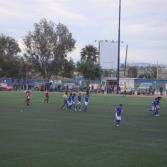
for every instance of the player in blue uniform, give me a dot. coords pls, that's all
(69, 103)
(118, 112)
(86, 102)
(154, 106)
(157, 106)
(78, 105)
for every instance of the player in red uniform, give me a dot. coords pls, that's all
(28, 97)
(46, 96)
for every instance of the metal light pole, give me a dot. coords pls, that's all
(99, 41)
(126, 59)
(157, 77)
(119, 37)
(99, 51)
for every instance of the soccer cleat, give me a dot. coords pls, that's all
(157, 115)
(150, 110)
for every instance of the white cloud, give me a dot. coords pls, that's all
(39, 9)
(143, 26)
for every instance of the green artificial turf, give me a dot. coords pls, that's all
(43, 135)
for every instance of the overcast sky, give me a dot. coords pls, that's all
(143, 26)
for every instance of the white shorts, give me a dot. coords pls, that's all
(153, 108)
(78, 103)
(69, 103)
(158, 107)
(117, 117)
(86, 103)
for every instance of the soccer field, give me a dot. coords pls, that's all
(46, 136)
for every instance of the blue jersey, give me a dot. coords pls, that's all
(86, 98)
(70, 100)
(154, 103)
(79, 98)
(73, 98)
(118, 110)
(158, 102)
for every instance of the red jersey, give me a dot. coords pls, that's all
(46, 94)
(27, 94)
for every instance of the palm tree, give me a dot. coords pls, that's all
(90, 53)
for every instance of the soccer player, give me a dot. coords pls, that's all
(46, 98)
(28, 95)
(154, 106)
(69, 103)
(78, 106)
(157, 106)
(65, 96)
(86, 102)
(118, 112)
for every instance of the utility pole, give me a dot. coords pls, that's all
(119, 37)
(157, 71)
(99, 52)
(126, 59)
(99, 42)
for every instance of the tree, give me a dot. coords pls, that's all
(132, 72)
(68, 68)
(88, 64)
(9, 60)
(48, 46)
(89, 70)
(89, 52)
(150, 72)
(25, 68)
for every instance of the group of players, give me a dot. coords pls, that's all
(155, 110)
(73, 102)
(28, 95)
(155, 106)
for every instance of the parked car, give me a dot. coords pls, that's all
(145, 88)
(5, 87)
